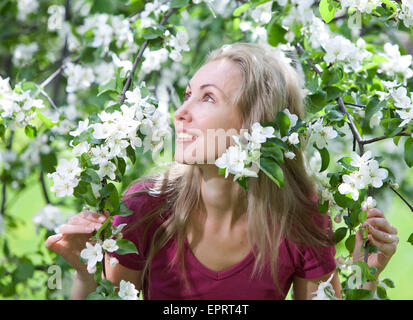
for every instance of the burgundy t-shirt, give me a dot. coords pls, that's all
(233, 283)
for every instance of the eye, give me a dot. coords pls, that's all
(186, 94)
(207, 95)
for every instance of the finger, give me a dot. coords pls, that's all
(374, 212)
(50, 241)
(382, 236)
(381, 224)
(357, 253)
(77, 220)
(72, 229)
(387, 249)
(93, 216)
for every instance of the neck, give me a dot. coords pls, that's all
(220, 198)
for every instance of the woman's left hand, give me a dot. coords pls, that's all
(380, 234)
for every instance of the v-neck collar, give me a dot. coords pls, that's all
(213, 274)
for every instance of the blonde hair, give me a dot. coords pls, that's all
(268, 86)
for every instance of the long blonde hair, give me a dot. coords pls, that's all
(269, 85)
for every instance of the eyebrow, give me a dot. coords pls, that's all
(210, 85)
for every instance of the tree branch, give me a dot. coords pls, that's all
(139, 57)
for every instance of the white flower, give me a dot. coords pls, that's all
(107, 169)
(82, 126)
(80, 148)
(154, 59)
(396, 63)
(23, 53)
(406, 116)
(124, 65)
(102, 130)
(113, 261)
(289, 155)
(325, 291)
(92, 254)
(50, 217)
(127, 291)
(406, 13)
(100, 155)
(110, 245)
(232, 160)
(350, 185)
(322, 134)
(259, 134)
(401, 100)
(374, 173)
(358, 161)
(293, 138)
(293, 118)
(368, 203)
(262, 13)
(375, 119)
(118, 229)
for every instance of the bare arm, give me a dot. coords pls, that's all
(84, 284)
(304, 288)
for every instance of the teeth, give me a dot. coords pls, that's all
(184, 136)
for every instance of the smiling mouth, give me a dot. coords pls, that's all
(185, 140)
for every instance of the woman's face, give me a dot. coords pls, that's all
(208, 113)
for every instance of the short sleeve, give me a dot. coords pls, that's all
(318, 261)
(139, 205)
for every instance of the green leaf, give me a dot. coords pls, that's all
(410, 240)
(46, 121)
(325, 157)
(331, 76)
(323, 206)
(126, 246)
(372, 107)
(276, 33)
(327, 10)
(272, 170)
(30, 131)
(152, 33)
(95, 296)
(359, 294)
(339, 234)
(90, 175)
(131, 154)
(350, 243)
(121, 165)
(272, 150)
(408, 152)
(381, 292)
(332, 92)
(241, 9)
(178, 3)
(283, 123)
(123, 210)
(24, 271)
(48, 162)
(345, 163)
(318, 101)
(112, 196)
(388, 282)
(108, 87)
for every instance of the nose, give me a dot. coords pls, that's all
(182, 113)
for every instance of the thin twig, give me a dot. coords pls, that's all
(401, 197)
(44, 190)
(139, 57)
(401, 134)
(4, 188)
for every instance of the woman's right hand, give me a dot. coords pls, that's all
(73, 237)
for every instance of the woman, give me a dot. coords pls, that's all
(202, 236)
